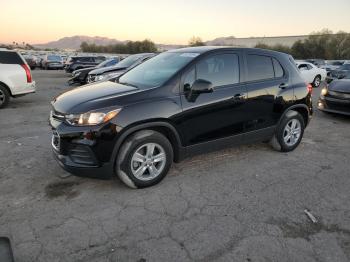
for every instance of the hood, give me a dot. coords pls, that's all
(116, 74)
(100, 71)
(341, 85)
(91, 97)
(84, 70)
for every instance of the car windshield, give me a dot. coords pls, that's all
(54, 58)
(105, 63)
(129, 61)
(157, 70)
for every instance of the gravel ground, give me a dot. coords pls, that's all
(241, 204)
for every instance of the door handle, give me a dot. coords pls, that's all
(283, 86)
(239, 97)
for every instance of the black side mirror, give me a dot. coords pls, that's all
(198, 87)
(202, 86)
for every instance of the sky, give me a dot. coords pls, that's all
(167, 21)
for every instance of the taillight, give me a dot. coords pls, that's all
(309, 88)
(28, 74)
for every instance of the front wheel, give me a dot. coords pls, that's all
(317, 81)
(144, 159)
(289, 133)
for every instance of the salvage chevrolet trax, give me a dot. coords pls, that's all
(176, 104)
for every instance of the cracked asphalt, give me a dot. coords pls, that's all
(240, 204)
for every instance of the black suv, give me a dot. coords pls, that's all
(176, 104)
(79, 62)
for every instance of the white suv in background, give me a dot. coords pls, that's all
(311, 73)
(15, 76)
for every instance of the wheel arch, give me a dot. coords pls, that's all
(6, 86)
(301, 109)
(163, 127)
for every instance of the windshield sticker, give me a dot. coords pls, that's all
(189, 54)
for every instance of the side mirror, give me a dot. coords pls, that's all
(202, 86)
(198, 87)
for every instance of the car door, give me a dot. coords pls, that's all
(220, 113)
(269, 90)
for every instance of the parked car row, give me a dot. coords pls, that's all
(79, 62)
(128, 63)
(108, 69)
(339, 73)
(80, 76)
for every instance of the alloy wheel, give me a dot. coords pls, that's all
(148, 161)
(292, 132)
(317, 81)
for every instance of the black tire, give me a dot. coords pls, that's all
(129, 148)
(4, 96)
(278, 141)
(317, 81)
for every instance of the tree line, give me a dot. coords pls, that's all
(323, 44)
(130, 47)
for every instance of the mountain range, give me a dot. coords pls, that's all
(74, 42)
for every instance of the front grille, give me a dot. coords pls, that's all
(339, 95)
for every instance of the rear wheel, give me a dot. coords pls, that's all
(144, 159)
(4, 96)
(317, 81)
(289, 133)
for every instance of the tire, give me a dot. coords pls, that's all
(4, 96)
(135, 167)
(317, 81)
(280, 141)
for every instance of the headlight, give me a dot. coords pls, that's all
(91, 118)
(100, 77)
(76, 74)
(324, 91)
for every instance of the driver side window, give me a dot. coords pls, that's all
(220, 70)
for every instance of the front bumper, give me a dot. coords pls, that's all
(76, 79)
(84, 151)
(105, 171)
(334, 105)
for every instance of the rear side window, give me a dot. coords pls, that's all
(259, 67)
(220, 70)
(278, 68)
(10, 58)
